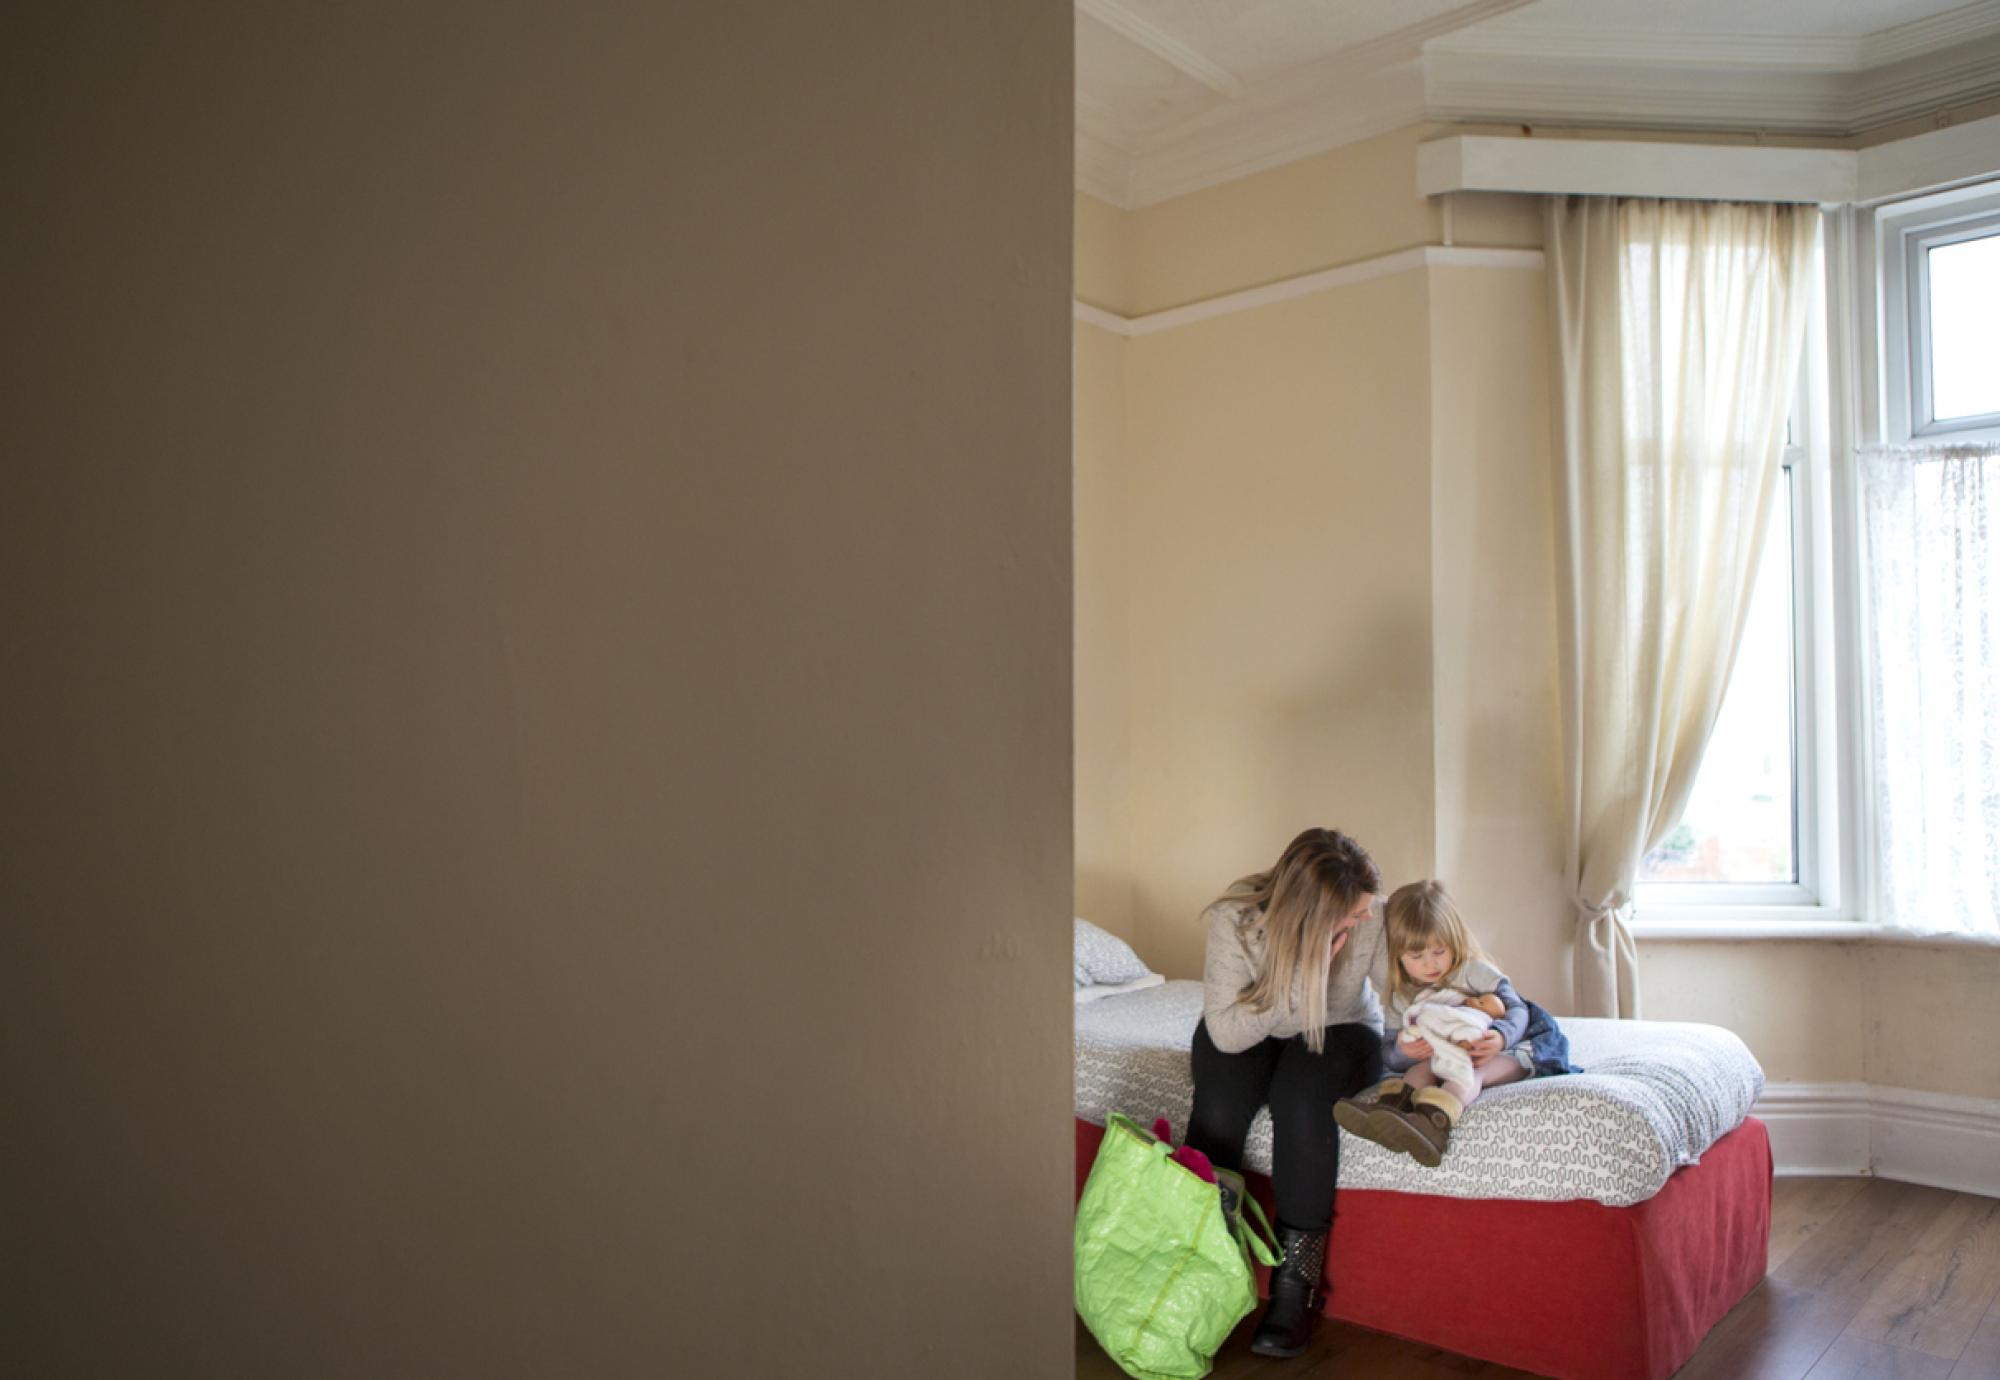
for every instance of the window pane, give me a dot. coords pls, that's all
(1965, 328)
(1739, 823)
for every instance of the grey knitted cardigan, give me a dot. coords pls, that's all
(1235, 957)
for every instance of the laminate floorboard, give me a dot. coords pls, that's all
(1935, 1297)
(1981, 1359)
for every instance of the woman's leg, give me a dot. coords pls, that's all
(1228, 1090)
(1305, 1166)
(1306, 1153)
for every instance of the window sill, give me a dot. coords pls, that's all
(1721, 930)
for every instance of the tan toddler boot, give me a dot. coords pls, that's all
(1370, 1114)
(1423, 1129)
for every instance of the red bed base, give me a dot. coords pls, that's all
(1574, 1290)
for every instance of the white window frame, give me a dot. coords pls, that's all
(1859, 326)
(1905, 232)
(1663, 909)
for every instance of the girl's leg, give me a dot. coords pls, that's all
(1420, 1075)
(1228, 1090)
(1502, 1068)
(1305, 1158)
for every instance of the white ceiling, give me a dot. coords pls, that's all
(1174, 95)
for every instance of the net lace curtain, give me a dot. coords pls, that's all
(1677, 328)
(1932, 515)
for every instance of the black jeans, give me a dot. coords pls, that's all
(1301, 1088)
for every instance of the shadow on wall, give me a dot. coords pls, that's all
(1326, 733)
(1105, 899)
(1351, 748)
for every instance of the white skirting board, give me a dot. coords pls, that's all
(1892, 1133)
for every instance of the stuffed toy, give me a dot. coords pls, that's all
(1489, 1002)
(1450, 1021)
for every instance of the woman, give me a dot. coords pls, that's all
(1290, 1018)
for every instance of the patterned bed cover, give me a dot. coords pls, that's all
(1653, 1096)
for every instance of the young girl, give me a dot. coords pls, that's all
(1432, 954)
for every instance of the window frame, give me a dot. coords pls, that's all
(1815, 895)
(1905, 232)
(1862, 379)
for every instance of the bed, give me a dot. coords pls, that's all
(1629, 1204)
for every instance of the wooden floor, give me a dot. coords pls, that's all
(1868, 1280)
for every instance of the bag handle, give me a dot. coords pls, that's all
(1266, 1255)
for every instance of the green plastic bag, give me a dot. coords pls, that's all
(1162, 1277)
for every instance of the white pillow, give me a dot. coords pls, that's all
(1097, 991)
(1103, 959)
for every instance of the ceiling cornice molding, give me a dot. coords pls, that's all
(1856, 53)
(1445, 70)
(1655, 50)
(1922, 36)
(1162, 177)
(1883, 95)
(1163, 45)
(1103, 171)
(1357, 93)
(1103, 124)
(1833, 105)
(1278, 132)
(1562, 93)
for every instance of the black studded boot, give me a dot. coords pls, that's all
(1295, 1294)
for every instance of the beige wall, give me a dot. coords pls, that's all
(1104, 494)
(1103, 255)
(1495, 692)
(1820, 1012)
(1339, 207)
(537, 617)
(1933, 1018)
(1389, 440)
(1800, 1006)
(1272, 553)
(1279, 594)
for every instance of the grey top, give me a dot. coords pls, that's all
(1235, 957)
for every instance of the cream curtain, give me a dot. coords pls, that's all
(1933, 538)
(1677, 328)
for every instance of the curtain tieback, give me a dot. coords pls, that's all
(1614, 906)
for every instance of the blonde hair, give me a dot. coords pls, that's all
(1301, 901)
(1417, 916)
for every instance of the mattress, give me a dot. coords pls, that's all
(1653, 1096)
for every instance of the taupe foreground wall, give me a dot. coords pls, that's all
(535, 606)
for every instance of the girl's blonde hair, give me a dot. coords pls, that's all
(1317, 881)
(1417, 916)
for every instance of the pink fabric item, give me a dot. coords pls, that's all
(1187, 1157)
(1195, 1163)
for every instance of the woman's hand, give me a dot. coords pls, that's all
(1484, 1048)
(1416, 1046)
(1364, 910)
(1340, 938)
